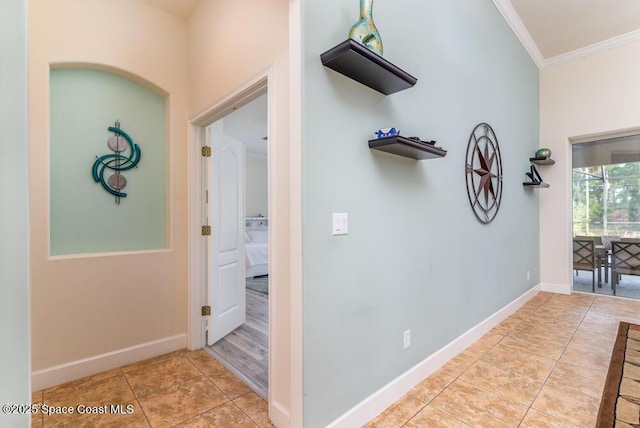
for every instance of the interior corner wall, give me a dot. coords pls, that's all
(594, 95)
(85, 307)
(230, 44)
(415, 257)
(14, 215)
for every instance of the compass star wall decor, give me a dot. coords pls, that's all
(483, 169)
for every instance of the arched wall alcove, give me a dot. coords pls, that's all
(85, 100)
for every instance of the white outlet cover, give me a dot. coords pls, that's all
(407, 339)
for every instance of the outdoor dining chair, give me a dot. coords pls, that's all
(584, 258)
(625, 260)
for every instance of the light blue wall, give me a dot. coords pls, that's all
(415, 257)
(14, 214)
(84, 217)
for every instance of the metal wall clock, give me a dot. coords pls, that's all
(483, 169)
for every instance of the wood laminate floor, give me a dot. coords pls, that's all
(245, 350)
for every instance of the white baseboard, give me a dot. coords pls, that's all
(73, 370)
(279, 415)
(556, 288)
(393, 391)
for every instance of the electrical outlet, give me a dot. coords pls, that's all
(528, 275)
(407, 339)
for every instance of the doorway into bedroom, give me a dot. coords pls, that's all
(238, 268)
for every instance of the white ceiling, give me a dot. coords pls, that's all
(555, 31)
(248, 124)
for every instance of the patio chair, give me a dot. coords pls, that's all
(584, 258)
(602, 245)
(625, 260)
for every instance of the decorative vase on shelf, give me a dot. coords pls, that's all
(543, 153)
(364, 31)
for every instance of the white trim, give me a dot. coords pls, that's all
(88, 366)
(296, 373)
(197, 298)
(611, 43)
(513, 19)
(394, 390)
(607, 135)
(279, 415)
(258, 85)
(196, 323)
(242, 95)
(77, 256)
(555, 288)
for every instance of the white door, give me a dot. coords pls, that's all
(226, 273)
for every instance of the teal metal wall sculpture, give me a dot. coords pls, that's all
(117, 162)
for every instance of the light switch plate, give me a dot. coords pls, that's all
(340, 223)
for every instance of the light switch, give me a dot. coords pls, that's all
(340, 223)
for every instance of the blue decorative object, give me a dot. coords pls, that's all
(116, 162)
(387, 132)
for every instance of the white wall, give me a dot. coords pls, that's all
(230, 43)
(14, 215)
(594, 95)
(256, 184)
(87, 306)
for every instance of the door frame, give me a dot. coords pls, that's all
(285, 371)
(197, 246)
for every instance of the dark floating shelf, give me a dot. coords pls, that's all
(536, 185)
(542, 161)
(402, 146)
(357, 62)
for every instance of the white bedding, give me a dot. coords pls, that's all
(256, 250)
(257, 253)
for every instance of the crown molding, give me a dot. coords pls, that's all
(592, 49)
(513, 19)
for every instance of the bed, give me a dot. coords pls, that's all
(256, 246)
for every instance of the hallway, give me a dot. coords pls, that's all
(183, 388)
(544, 366)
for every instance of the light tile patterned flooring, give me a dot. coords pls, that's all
(182, 389)
(543, 367)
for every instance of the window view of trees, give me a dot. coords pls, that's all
(606, 200)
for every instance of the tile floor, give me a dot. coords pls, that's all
(182, 389)
(544, 367)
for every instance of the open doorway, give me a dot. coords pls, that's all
(217, 258)
(237, 182)
(606, 216)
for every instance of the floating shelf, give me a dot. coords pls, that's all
(357, 62)
(542, 161)
(536, 185)
(402, 146)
